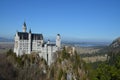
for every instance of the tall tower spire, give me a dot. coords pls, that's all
(24, 27)
(58, 41)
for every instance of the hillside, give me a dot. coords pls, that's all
(112, 49)
(115, 46)
(67, 66)
(115, 43)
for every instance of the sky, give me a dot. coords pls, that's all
(72, 19)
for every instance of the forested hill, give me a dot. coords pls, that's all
(110, 69)
(115, 43)
(113, 48)
(68, 65)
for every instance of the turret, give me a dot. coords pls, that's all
(30, 31)
(24, 27)
(29, 45)
(58, 41)
(48, 41)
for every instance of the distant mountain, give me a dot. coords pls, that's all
(2, 39)
(115, 46)
(112, 48)
(114, 51)
(86, 43)
(115, 43)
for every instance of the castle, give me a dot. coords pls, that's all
(28, 42)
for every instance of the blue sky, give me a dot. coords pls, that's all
(73, 19)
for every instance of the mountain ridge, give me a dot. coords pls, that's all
(3, 39)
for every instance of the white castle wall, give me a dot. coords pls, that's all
(28, 46)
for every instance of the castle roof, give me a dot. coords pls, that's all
(25, 36)
(24, 24)
(51, 44)
(37, 37)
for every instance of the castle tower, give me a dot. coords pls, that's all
(48, 41)
(24, 27)
(58, 41)
(30, 43)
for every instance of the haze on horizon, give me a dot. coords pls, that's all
(73, 19)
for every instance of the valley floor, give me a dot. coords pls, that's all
(5, 46)
(89, 54)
